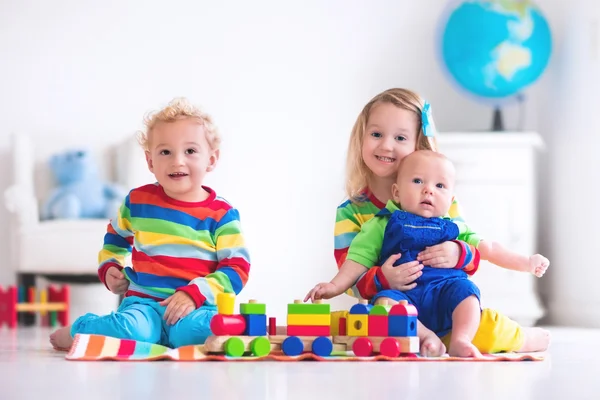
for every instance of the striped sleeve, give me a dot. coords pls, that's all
(347, 225)
(231, 273)
(467, 239)
(118, 242)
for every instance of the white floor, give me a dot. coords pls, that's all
(30, 369)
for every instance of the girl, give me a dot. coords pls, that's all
(392, 125)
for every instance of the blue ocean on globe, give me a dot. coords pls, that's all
(495, 48)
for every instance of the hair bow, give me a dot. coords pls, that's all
(427, 120)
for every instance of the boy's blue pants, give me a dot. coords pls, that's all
(141, 319)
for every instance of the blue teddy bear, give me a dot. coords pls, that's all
(80, 194)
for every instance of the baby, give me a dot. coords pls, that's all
(445, 298)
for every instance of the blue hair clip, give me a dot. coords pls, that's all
(427, 120)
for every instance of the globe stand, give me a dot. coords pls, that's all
(497, 125)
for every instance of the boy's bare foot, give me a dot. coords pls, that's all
(61, 339)
(536, 339)
(431, 346)
(462, 348)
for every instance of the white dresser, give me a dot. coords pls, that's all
(496, 189)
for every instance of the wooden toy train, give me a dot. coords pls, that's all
(381, 329)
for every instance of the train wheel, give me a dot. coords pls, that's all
(234, 347)
(362, 347)
(390, 347)
(322, 346)
(260, 346)
(292, 346)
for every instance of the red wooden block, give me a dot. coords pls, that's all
(61, 296)
(272, 326)
(390, 348)
(296, 330)
(404, 309)
(378, 325)
(223, 325)
(8, 307)
(342, 327)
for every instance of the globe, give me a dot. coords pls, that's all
(494, 49)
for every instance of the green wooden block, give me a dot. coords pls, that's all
(53, 318)
(308, 308)
(253, 308)
(380, 309)
(260, 346)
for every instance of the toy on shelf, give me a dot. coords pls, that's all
(52, 305)
(382, 329)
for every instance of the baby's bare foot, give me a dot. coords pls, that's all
(61, 339)
(463, 348)
(432, 346)
(536, 339)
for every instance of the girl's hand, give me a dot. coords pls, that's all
(403, 276)
(444, 255)
(178, 306)
(325, 290)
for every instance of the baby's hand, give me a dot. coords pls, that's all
(178, 305)
(538, 264)
(116, 281)
(325, 290)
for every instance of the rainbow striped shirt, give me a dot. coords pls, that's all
(351, 216)
(174, 245)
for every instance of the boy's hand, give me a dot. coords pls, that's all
(538, 264)
(325, 290)
(178, 305)
(401, 277)
(443, 255)
(116, 281)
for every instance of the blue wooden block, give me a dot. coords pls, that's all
(400, 325)
(256, 324)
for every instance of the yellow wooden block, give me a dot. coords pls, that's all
(225, 303)
(358, 325)
(43, 300)
(309, 319)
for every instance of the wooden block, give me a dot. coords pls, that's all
(399, 325)
(358, 324)
(294, 330)
(309, 319)
(256, 324)
(225, 303)
(252, 307)
(342, 327)
(32, 307)
(360, 308)
(403, 308)
(407, 344)
(272, 326)
(380, 310)
(222, 325)
(378, 325)
(308, 308)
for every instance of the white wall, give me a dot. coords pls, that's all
(284, 82)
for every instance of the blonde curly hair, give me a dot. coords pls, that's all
(358, 174)
(179, 108)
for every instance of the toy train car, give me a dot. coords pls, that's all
(368, 330)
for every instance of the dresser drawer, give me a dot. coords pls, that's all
(509, 165)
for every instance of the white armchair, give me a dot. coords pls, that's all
(61, 248)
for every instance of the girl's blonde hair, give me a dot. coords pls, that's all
(180, 108)
(357, 172)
